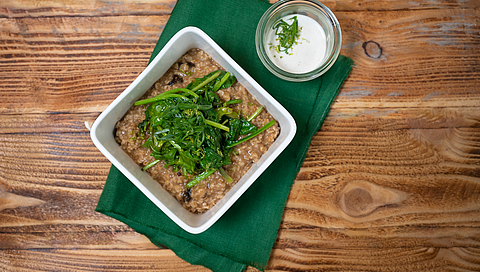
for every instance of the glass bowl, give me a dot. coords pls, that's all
(312, 55)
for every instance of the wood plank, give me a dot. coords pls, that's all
(92, 8)
(411, 58)
(85, 61)
(86, 8)
(391, 259)
(93, 260)
(417, 5)
(52, 122)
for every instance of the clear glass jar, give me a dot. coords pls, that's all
(314, 10)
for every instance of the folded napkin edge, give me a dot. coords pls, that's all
(159, 235)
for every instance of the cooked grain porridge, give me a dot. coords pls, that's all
(198, 199)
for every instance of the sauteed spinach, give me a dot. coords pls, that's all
(193, 130)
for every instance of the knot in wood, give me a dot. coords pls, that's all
(357, 202)
(361, 198)
(372, 49)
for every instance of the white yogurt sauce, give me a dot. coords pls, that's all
(304, 56)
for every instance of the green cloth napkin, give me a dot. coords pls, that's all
(244, 235)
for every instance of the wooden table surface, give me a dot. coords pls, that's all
(391, 182)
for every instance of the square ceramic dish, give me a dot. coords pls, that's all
(102, 131)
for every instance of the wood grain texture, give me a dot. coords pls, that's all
(83, 61)
(86, 8)
(421, 204)
(95, 260)
(390, 183)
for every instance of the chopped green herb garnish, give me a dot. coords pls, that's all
(288, 34)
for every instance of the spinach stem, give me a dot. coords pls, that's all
(150, 165)
(265, 127)
(255, 114)
(165, 95)
(217, 125)
(233, 101)
(212, 77)
(220, 83)
(199, 178)
(185, 90)
(225, 175)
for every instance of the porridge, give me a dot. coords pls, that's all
(137, 138)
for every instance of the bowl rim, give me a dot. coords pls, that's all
(104, 122)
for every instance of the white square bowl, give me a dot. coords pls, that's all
(102, 130)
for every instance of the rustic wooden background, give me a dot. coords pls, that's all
(391, 182)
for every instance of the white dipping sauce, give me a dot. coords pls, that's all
(306, 54)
